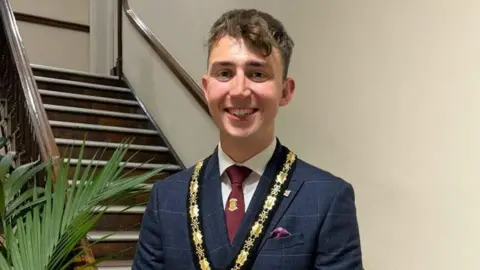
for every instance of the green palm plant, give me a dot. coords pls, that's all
(42, 226)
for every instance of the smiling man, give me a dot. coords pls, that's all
(253, 203)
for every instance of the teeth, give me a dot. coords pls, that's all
(241, 112)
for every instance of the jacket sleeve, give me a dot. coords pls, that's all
(149, 254)
(339, 238)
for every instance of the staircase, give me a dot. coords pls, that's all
(104, 111)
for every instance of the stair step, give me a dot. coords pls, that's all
(144, 186)
(129, 169)
(122, 209)
(121, 243)
(115, 265)
(122, 250)
(90, 103)
(102, 128)
(125, 172)
(71, 71)
(88, 97)
(117, 136)
(111, 145)
(85, 162)
(119, 218)
(120, 236)
(94, 112)
(140, 200)
(104, 150)
(82, 84)
(98, 119)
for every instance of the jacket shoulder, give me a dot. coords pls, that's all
(178, 179)
(314, 175)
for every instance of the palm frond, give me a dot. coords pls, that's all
(59, 215)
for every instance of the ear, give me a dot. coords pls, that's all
(205, 85)
(287, 91)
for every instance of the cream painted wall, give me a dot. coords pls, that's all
(55, 47)
(387, 97)
(103, 35)
(191, 133)
(76, 11)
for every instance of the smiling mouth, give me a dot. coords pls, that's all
(244, 112)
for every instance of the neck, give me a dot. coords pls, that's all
(242, 149)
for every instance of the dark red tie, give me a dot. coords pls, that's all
(235, 206)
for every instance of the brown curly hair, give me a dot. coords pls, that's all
(259, 30)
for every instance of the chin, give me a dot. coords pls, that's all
(238, 133)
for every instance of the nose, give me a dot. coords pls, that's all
(241, 86)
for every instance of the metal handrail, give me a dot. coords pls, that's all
(182, 75)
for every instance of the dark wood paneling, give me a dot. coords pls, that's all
(84, 90)
(51, 22)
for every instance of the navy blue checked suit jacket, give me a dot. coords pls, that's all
(319, 213)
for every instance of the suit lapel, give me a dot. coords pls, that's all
(292, 190)
(215, 230)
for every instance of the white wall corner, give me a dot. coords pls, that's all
(102, 35)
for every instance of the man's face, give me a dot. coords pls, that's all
(244, 89)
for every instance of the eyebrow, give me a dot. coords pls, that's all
(251, 63)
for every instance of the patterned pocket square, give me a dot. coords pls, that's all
(279, 233)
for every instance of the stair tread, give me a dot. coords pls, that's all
(126, 164)
(133, 209)
(124, 236)
(114, 267)
(94, 111)
(73, 71)
(102, 127)
(110, 145)
(122, 209)
(82, 84)
(87, 97)
(111, 263)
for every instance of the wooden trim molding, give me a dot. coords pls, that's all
(51, 22)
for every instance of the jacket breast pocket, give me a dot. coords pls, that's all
(292, 240)
(286, 253)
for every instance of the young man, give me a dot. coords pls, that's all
(252, 204)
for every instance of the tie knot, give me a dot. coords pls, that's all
(238, 174)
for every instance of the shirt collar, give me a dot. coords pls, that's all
(257, 163)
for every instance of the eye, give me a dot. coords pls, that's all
(258, 76)
(224, 75)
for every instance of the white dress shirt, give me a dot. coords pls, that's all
(257, 164)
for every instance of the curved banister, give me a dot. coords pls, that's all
(25, 107)
(38, 115)
(180, 72)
